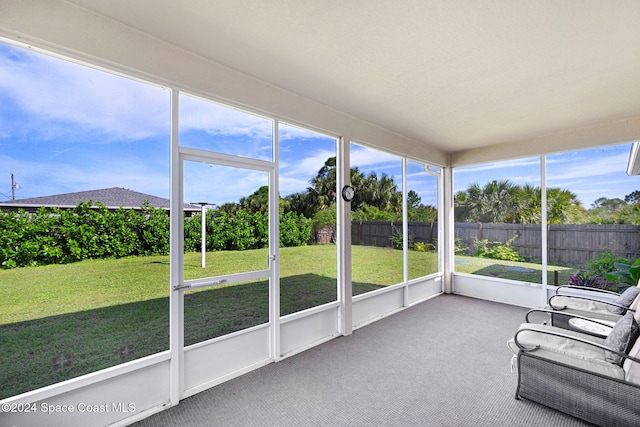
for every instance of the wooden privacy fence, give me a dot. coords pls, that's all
(568, 244)
(378, 233)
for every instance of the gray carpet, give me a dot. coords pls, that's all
(441, 363)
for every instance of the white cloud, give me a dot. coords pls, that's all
(371, 159)
(216, 119)
(220, 184)
(308, 166)
(53, 90)
(587, 167)
(289, 185)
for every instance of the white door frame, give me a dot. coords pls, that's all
(179, 155)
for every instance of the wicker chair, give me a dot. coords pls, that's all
(590, 378)
(600, 304)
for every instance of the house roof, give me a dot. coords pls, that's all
(112, 198)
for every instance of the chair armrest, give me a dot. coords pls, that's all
(609, 303)
(525, 348)
(573, 315)
(585, 288)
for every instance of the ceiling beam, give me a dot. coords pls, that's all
(600, 134)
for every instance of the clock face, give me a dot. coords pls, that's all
(348, 193)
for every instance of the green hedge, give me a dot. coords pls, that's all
(57, 236)
(244, 230)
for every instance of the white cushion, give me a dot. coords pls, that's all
(635, 306)
(579, 304)
(566, 350)
(632, 369)
(593, 309)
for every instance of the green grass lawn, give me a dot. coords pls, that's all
(522, 271)
(62, 321)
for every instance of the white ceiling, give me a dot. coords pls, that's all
(454, 74)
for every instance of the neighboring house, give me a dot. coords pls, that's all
(113, 198)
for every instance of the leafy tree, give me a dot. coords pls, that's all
(611, 205)
(633, 198)
(615, 211)
(418, 212)
(605, 211)
(256, 202)
(630, 214)
(413, 199)
(228, 208)
(295, 230)
(326, 217)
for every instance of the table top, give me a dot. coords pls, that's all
(591, 327)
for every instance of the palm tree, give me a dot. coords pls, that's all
(380, 192)
(323, 185)
(504, 202)
(301, 203)
(528, 205)
(499, 201)
(493, 203)
(563, 207)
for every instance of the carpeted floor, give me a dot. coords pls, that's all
(444, 362)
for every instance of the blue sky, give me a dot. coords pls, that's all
(66, 127)
(590, 174)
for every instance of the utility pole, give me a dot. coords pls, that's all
(13, 188)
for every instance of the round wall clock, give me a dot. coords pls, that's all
(348, 193)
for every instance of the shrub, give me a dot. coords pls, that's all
(422, 247)
(627, 273)
(597, 273)
(497, 250)
(325, 217)
(152, 229)
(241, 230)
(458, 246)
(603, 263)
(295, 229)
(397, 238)
(68, 235)
(583, 279)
